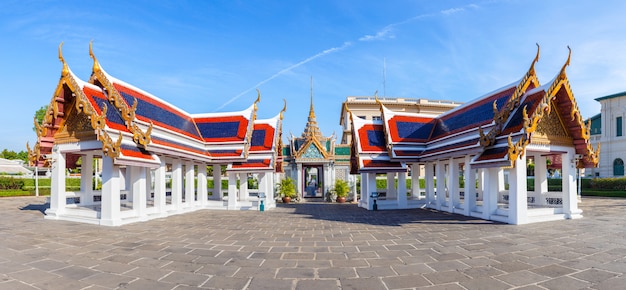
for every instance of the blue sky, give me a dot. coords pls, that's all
(210, 56)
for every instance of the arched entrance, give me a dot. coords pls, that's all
(313, 176)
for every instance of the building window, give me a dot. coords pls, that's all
(618, 167)
(618, 126)
(376, 118)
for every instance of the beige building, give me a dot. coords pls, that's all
(367, 108)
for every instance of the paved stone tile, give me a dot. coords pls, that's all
(400, 282)
(220, 282)
(313, 245)
(317, 284)
(362, 284)
(565, 283)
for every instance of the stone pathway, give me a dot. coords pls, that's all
(313, 246)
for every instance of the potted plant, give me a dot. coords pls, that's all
(287, 189)
(341, 189)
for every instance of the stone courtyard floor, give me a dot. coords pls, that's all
(313, 246)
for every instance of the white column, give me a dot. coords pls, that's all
(518, 205)
(160, 189)
(470, 188)
(190, 190)
(570, 196)
(177, 184)
(402, 202)
(243, 187)
(86, 180)
(481, 183)
(371, 186)
(453, 185)
(148, 184)
(541, 179)
(440, 173)
(232, 190)
(111, 187)
(217, 182)
(391, 186)
(365, 191)
(138, 189)
(430, 185)
(415, 181)
(203, 194)
(501, 180)
(490, 191)
(299, 182)
(57, 184)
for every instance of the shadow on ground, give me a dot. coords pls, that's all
(351, 213)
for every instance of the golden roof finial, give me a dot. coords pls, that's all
(569, 57)
(258, 99)
(66, 69)
(96, 65)
(532, 66)
(284, 109)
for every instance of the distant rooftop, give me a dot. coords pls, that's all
(402, 100)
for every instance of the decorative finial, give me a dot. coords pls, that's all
(284, 109)
(65, 70)
(532, 66)
(258, 99)
(96, 65)
(569, 56)
(345, 106)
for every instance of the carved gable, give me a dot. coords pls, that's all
(76, 127)
(312, 152)
(551, 130)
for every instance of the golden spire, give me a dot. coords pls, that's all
(66, 69)
(96, 65)
(311, 128)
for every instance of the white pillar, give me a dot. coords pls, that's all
(160, 189)
(177, 184)
(148, 184)
(430, 185)
(111, 189)
(138, 189)
(371, 186)
(453, 185)
(440, 173)
(243, 187)
(203, 194)
(217, 182)
(391, 186)
(490, 191)
(86, 180)
(470, 188)
(57, 184)
(570, 196)
(481, 184)
(415, 181)
(299, 182)
(518, 205)
(402, 202)
(541, 179)
(365, 191)
(190, 190)
(232, 190)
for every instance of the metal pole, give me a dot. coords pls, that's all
(36, 179)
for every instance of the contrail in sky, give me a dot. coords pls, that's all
(323, 53)
(381, 34)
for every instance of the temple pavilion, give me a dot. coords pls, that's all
(151, 153)
(315, 162)
(476, 155)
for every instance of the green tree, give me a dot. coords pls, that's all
(12, 155)
(39, 115)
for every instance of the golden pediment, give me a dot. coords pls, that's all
(551, 130)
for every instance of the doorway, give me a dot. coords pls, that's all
(313, 181)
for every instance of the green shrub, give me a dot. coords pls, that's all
(608, 183)
(11, 183)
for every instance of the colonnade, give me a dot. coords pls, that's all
(484, 193)
(132, 193)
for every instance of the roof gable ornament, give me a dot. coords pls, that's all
(127, 113)
(500, 117)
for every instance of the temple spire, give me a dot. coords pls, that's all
(311, 126)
